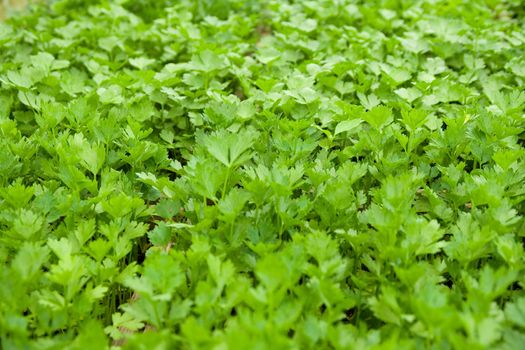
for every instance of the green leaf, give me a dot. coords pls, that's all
(29, 260)
(160, 235)
(379, 117)
(229, 148)
(207, 61)
(93, 157)
(386, 307)
(409, 94)
(43, 61)
(515, 312)
(27, 224)
(232, 205)
(110, 95)
(141, 62)
(348, 125)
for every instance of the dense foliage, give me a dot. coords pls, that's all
(329, 174)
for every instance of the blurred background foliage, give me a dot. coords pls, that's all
(7, 6)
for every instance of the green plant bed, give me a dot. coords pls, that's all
(263, 175)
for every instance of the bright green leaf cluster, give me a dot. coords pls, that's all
(263, 174)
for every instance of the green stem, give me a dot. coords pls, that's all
(225, 183)
(231, 230)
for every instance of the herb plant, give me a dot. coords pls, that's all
(328, 174)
